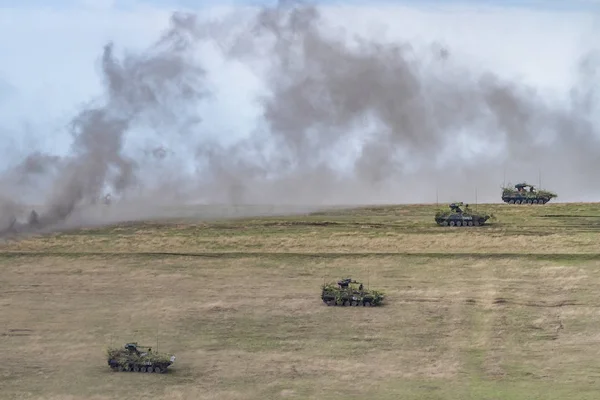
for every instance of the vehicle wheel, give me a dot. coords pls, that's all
(367, 304)
(122, 368)
(511, 202)
(535, 201)
(149, 369)
(445, 223)
(470, 223)
(458, 223)
(346, 303)
(354, 303)
(330, 303)
(529, 201)
(451, 223)
(143, 369)
(157, 370)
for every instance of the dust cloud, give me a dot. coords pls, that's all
(344, 122)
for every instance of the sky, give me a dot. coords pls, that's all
(51, 51)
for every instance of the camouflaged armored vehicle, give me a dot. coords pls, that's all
(348, 292)
(521, 195)
(132, 358)
(459, 217)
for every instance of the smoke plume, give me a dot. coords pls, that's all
(344, 122)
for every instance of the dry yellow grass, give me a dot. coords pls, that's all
(318, 242)
(503, 315)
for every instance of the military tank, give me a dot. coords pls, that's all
(348, 292)
(459, 217)
(136, 358)
(520, 195)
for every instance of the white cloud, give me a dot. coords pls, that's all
(50, 56)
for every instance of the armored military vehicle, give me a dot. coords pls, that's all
(520, 194)
(459, 217)
(132, 358)
(348, 292)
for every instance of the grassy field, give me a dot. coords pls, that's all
(509, 310)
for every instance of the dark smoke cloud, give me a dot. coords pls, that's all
(401, 119)
(151, 89)
(414, 113)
